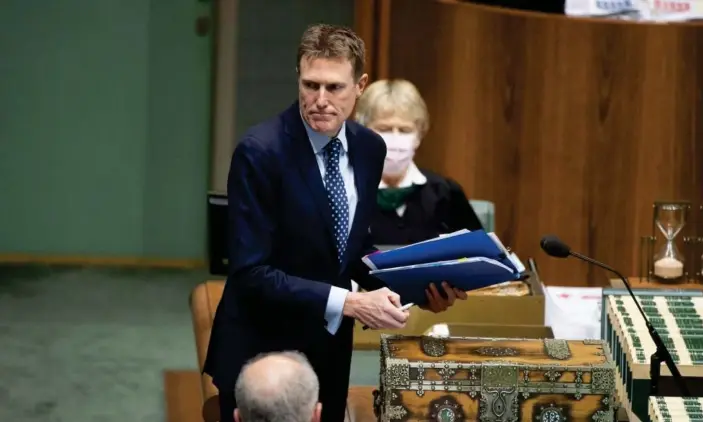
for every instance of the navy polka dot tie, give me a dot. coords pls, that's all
(337, 195)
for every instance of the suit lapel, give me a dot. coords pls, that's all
(307, 165)
(361, 177)
(361, 173)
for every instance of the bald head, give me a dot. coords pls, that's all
(277, 387)
(267, 375)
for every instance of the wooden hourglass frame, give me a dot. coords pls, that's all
(670, 255)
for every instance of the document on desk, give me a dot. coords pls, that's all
(467, 260)
(574, 313)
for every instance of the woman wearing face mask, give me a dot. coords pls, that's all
(413, 204)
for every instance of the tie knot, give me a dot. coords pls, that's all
(333, 149)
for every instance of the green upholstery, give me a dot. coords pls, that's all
(365, 367)
(486, 213)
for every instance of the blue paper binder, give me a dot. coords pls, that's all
(467, 260)
(410, 282)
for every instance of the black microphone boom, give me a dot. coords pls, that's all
(558, 249)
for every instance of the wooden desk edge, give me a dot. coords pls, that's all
(639, 283)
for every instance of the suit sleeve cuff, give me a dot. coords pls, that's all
(335, 306)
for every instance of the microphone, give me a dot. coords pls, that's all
(558, 249)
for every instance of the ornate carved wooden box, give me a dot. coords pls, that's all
(451, 379)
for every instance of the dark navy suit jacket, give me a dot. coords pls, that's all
(282, 257)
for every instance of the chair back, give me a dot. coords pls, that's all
(485, 210)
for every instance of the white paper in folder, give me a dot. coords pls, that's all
(574, 313)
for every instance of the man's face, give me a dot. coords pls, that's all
(328, 92)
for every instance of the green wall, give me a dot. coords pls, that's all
(104, 117)
(266, 78)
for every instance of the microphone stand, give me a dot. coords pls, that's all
(662, 353)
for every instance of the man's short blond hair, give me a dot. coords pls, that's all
(393, 97)
(333, 42)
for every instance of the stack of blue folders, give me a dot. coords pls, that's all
(466, 260)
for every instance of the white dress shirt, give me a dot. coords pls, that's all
(335, 301)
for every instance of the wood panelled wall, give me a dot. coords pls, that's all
(372, 22)
(571, 126)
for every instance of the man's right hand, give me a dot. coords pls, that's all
(377, 309)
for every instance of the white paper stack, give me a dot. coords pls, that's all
(574, 313)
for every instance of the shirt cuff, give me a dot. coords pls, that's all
(335, 306)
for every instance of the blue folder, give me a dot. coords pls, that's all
(410, 282)
(462, 244)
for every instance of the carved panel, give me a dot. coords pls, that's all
(433, 346)
(499, 394)
(557, 349)
(497, 351)
(550, 413)
(446, 409)
(397, 373)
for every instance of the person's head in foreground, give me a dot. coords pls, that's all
(330, 64)
(395, 110)
(277, 387)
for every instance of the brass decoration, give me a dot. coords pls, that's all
(433, 346)
(420, 378)
(447, 372)
(578, 395)
(497, 386)
(550, 413)
(395, 413)
(499, 393)
(552, 375)
(499, 375)
(557, 349)
(397, 373)
(497, 351)
(446, 409)
(499, 405)
(602, 416)
(602, 379)
(526, 376)
(579, 378)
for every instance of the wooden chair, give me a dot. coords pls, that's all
(203, 303)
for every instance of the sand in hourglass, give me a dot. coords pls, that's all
(668, 268)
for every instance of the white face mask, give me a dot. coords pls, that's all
(400, 152)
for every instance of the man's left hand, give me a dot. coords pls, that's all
(437, 303)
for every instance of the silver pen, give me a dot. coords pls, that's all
(402, 308)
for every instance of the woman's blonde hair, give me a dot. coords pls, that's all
(396, 97)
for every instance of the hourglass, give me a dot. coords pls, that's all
(670, 218)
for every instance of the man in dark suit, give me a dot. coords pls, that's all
(302, 188)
